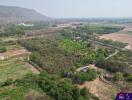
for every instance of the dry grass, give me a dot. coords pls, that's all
(101, 89)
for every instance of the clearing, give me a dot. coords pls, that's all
(14, 68)
(101, 89)
(122, 36)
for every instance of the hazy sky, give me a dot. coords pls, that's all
(76, 8)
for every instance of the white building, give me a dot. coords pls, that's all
(27, 25)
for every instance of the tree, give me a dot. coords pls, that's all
(129, 77)
(3, 49)
(118, 76)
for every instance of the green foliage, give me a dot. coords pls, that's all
(71, 46)
(62, 89)
(118, 63)
(81, 77)
(118, 76)
(58, 54)
(99, 29)
(129, 78)
(2, 49)
(12, 30)
(47, 55)
(114, 43)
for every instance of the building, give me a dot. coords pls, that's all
(83, 69)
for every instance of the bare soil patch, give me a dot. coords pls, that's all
(15, 53)
(101, 89)
(121, 36)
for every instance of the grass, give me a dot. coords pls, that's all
(12, 69)
(12, 47)
(16, 92)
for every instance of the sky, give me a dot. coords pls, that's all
(76, 8)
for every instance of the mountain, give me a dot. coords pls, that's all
(12, 14)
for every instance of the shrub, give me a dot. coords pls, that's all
(118, 76)
(129, 78)
(3, 49)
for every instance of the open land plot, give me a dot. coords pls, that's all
(101, 89)
(15, 53)
(13, 68)
(122, 36)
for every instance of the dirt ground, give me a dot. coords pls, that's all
(15, 53)
(121, 36)
(101, 89)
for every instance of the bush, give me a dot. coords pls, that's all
(118, 76)
(81, 77)
(3, 49)
(6, 83)
(129, 78)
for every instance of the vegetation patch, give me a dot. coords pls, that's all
(12, 69)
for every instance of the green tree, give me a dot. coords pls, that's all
(3, 49)
(118, 76)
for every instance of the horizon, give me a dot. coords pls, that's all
(76, 9)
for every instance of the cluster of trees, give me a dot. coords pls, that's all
(99, 29)
(118, 76)
(55, 87)
(71, 46)
(12, 30)
(129, 77)
(114, 43)
(54, 55)
(118, 63)
(62, 89)
(80, 77)
(47, 54)
(113, 65)
(2, 49)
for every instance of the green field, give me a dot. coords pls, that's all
(12, 69)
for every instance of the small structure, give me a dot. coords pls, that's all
(83, 69)
(27, 25)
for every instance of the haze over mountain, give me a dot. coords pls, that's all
(12, 14)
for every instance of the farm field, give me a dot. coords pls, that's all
(15, 53)
(13, 68)
(124, 36)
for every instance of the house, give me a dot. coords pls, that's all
(83, 69)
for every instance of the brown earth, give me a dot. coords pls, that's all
(15, 53)
(101, 89)
(121, 36)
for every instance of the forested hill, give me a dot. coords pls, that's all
(12, 14)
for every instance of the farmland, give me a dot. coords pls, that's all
(12, 69)
(59, 53)
(124, 36)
